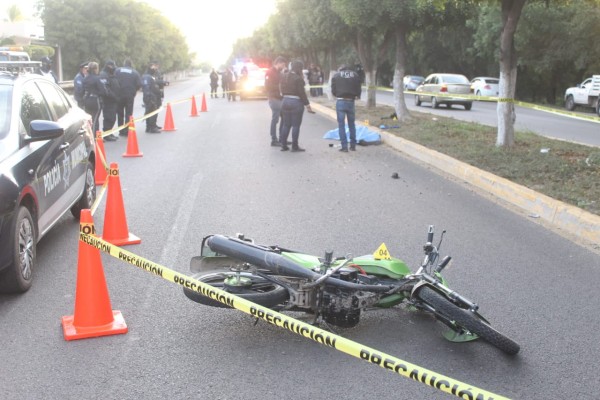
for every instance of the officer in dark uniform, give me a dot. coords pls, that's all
(109, 108)
(78, 90)
(46, 69)
(292, 108)
(129, 83)
(345, 86)
(93, 93)
(152, 96)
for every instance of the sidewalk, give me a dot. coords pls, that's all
(580, 224)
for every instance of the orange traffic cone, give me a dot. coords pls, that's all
(168, 125)
(93, 315)
(100, 173)
(194, 112)
(115, 222)
(203, 106)
(132, 144)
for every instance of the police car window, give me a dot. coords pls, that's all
(33, 105)
(55, 100)
(5, 109)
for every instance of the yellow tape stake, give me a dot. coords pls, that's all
(383, 360)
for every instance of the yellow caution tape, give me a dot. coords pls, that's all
(504, 100)
(383, 360)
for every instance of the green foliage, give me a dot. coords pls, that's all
(115, 30)
(554, 39)
(7, 41)
(37, 52)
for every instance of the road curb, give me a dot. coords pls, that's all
(573, 220)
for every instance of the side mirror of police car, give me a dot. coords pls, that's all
(44, 130)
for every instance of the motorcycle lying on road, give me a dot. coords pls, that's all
(336, 291)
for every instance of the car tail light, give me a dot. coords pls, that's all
(444, 88)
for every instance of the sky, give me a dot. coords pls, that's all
(211, 26)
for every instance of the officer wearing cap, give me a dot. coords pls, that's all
(345, 86)
(78, 90)
(46, 69)
(110, 100)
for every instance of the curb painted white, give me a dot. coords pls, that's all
(574, 220)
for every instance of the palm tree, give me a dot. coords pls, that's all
(15, 14)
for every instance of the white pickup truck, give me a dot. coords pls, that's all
(584, 94)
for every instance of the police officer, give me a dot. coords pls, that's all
(152, 96)
(129, 84)
(78, 90)
(110, 99)
(345, 86)
(292, 108)
(93, 93)
(46, 69)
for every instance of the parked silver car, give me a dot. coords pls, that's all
(447, 85)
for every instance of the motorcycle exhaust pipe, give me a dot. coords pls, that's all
(263, 257)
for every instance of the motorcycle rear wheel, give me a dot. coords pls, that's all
(467, 320)
(259, 291)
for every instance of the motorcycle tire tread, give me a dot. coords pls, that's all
(278, 295)
(467, 320)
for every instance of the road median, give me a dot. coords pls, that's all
(572, 220)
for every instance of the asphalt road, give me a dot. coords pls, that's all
(528, 119)
(217, 174)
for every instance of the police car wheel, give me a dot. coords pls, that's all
(89, 192)
(18, 277)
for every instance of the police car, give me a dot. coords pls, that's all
(46, 168)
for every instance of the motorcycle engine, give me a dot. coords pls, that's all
(341, 307)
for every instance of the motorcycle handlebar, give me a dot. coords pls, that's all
(430, 234)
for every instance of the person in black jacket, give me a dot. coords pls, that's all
(214, 83)
(93, 93)
(129, 84)
(46, 69)
(111, 99)
(292, 108)
(272, 80)
(152, 96)
(345, 86)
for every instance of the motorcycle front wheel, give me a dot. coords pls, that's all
(467, 320)
(254, 288)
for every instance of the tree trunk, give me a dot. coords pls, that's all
(399, 71)
(511, 12)
(364, 46)
(332, 69)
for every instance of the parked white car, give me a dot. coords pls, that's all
(485, 86)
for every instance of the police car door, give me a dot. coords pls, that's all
(73, 160)
(44, 158)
